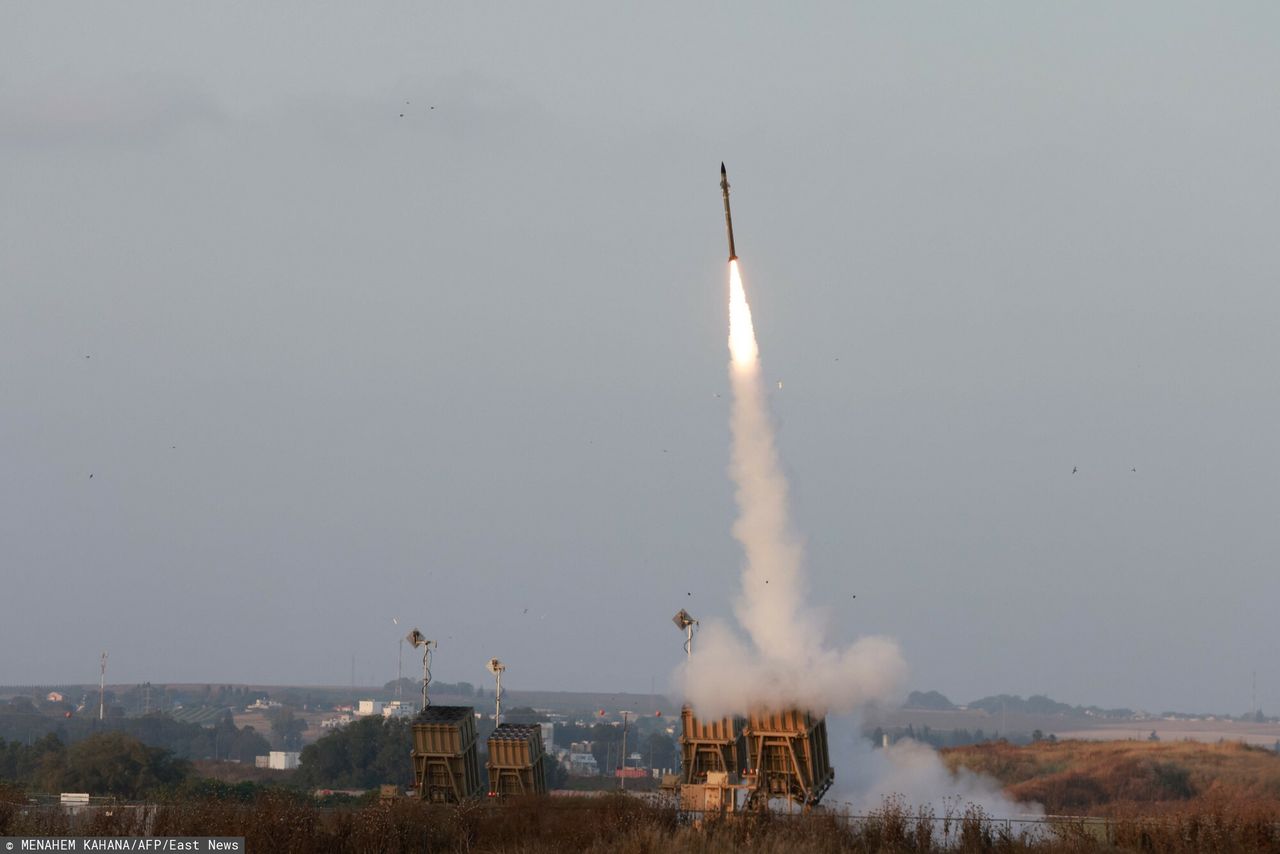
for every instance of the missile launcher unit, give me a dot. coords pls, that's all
(764, 756)
(788, 757)
(445, 766)
(516, 763)
(711, 746)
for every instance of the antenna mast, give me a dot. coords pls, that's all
(496, 667)
(102, 688)
(686, 623)
(417, 639)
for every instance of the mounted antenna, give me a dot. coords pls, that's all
(686, 623)
(496, 667)
(417, 639)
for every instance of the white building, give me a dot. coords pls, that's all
(548, 736)
(282, 760)
(399, 709)
(369, 708)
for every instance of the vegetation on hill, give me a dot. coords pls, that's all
(1109, 777)
(223, 740)
(931, 700)
(362, 755)
(106, 763)
(1039, 704)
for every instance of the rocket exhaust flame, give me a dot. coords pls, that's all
(742, 334)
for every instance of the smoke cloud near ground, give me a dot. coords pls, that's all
(910, 773)
(785, 660)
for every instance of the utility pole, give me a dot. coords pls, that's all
(102, 688)
(622, 780)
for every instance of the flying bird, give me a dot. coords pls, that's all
(1074, 469)
(1134, 469)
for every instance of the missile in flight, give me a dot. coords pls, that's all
(728, 218)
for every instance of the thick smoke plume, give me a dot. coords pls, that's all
(912, 774)
(785, 662)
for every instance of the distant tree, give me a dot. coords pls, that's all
(286, 729)
(112, 763)
(557, 775)
(408, 688)
(38, 765)
(1037, 735)
(364, 754)
(877, 737)
(523, 715)
(659, 750)
(606, 746)
(1153, 736)
(22, 706)
(466, 689)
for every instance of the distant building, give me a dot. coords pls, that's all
(263, 761)
(548, 736)
(399, 709)
(261, 705)
(369, 708)
(54, 697)
(336, 722)
(583, 765)
(282, 760)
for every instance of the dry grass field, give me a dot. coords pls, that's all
(1126, 796)
(615, 823)
(1124, 777)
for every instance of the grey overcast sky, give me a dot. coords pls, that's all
(329, 365)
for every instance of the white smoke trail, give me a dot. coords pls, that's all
(786, 663)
